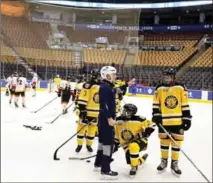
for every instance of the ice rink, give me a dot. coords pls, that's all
(27, 155)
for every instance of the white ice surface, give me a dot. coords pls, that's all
(27, 155)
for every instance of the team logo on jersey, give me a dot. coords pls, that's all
(96, 98)
(127, 135)
(171, 102)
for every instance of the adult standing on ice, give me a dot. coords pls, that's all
(106, 120)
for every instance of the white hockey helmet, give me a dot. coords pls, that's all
(108, 70)
(35, 75)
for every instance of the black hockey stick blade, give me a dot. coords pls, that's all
(55, 156)
(56, 151)
(85, 158)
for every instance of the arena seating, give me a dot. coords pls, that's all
(162, 58)
(22, 33)
(48, 60)
(48, 54)
(104, 56)
(10, 64)
(89, 36)
(205, 60)
(185, 43)
(199, 74)
(171, 35)
(29, 40)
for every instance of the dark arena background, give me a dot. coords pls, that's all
(141, 38)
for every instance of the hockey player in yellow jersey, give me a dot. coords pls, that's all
(171, 110)
(121, 87)
(88, 103)
(76, 92)
(131, 133)
(57, 82)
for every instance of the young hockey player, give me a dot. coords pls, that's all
(171, 110)
(76, 92)
(8, 83)
(78, 87)
(13, 83)
(21, 86)
(34, 84)
(65, 93)
(132, 132)
(57, 81)
(121, 88)
(88, 103)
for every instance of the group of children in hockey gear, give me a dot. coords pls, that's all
(131, 131)
(17, 85)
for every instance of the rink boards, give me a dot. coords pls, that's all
(141, 91)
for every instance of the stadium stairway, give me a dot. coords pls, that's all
(77, 57)
(129, 59)
(19, 60)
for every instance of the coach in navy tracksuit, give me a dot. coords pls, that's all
(106, 121)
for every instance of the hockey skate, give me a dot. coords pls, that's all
(89, 149)
(16, 105)
(78, 149)
(23, 105)
(162, 166)
(133, 171)
(109, 175)
(175, 169)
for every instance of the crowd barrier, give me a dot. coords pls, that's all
(196, 95)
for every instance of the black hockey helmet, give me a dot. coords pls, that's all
(95, 74)
(129, 110)
(169, 72)
(80, 77)
(169, 75)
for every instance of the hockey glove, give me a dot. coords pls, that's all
(115, 148)
(59, 92)
(120, 96)
(77, 112)
(186, 123)
(157, 119)
(73, 96)
(83, 117)
(116, 145)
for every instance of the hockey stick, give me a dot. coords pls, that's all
(56, 151)
(59, 115)
(185, 154)
(45, 105)
(85, 158)
(93, 156)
